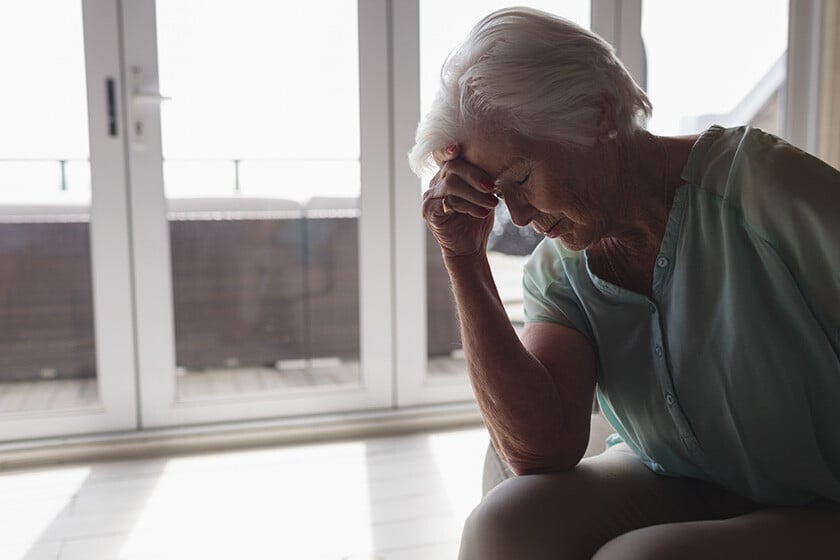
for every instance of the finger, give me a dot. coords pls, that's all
(459, 195)
(446, 206)
(448, 153)
(451, 204)
(464, 179)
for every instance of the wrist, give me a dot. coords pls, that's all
(469, 261)
(469, 271)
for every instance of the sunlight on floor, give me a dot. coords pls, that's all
(459, 456)
(387, 498)
(30, 502)
(286, 496)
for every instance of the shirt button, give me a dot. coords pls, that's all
(669, 398)
(658, 351)
(662, 262)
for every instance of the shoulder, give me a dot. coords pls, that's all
(749, 167)
(553, 280)
(550, 263)
(783, 197)
(549, 260)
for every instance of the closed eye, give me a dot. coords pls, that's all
(500, 195)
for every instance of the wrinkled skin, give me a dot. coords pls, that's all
(468, 193)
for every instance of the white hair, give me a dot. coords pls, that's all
(532, 74)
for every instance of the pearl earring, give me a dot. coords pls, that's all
(612, 134)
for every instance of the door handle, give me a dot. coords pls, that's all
(111, 94)
(141, 98)
(148, 98)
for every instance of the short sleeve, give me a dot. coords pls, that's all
(548, 293)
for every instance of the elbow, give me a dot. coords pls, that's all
(554, 452)
(532, 465)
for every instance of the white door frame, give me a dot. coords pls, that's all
(152, 267)
(117, 407)
(134, 323)
(802, 92)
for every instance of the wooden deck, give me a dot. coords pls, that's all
(58, 394)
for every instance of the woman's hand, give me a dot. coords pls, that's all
(458, 207)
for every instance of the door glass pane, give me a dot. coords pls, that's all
(261, 173)
(509, 245)
(724, 64)
(47, 350)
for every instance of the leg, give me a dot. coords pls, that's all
(572, 514)
(775, 533)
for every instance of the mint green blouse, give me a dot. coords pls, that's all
(731, 371)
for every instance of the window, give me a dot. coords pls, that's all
(715, 62)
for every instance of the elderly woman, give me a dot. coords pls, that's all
(693, 283)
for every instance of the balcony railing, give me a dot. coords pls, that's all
(28, 180)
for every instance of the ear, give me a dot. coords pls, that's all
(607, 130)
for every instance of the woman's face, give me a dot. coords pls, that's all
(562, 192)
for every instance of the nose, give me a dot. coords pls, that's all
(521, 213)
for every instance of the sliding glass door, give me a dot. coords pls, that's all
(247, 189)
(66, 355)
(207, 215)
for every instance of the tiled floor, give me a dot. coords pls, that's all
(396, 498)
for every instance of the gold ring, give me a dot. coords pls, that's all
(446, 208)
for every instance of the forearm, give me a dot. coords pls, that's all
(520, 400)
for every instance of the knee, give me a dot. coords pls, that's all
(499, 526)
(651, 543)
(515, 521)
(498, 522)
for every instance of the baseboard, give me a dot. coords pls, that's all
(222, 437)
